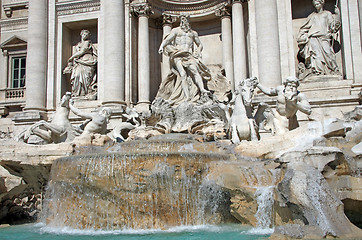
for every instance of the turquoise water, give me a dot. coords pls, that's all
(41, 232)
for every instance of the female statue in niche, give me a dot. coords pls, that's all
(315, 41)
(82, 67)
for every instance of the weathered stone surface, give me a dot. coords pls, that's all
(22, 201)
(297, 231)
(335, 127)
(309, 198)
(355, 135)
(242, 179)
(357, 149)
(301, 138)
(356, 114)
(8, 181)
(317, 156)
(24, 173)
(94, 139)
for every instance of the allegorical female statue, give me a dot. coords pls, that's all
(82, 65)
(315, 40)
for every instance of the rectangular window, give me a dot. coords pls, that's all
(18, 72)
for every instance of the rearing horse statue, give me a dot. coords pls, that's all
(242, 124)
(56, 131)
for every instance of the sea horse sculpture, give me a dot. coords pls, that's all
(242, 125)
(56, 131)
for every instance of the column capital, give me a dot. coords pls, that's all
(141, 10)
(224, 11)
(168, 19)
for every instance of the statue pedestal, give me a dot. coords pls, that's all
(322, 78)
(25, 119)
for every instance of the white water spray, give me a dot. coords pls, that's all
(265, 200)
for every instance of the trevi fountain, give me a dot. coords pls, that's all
(181, 119)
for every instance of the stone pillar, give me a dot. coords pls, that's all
(360, 18)
(167, 21)
(355, 30)
(266, 17)
(142, 11)
(239, 44)
(36, 61)
(350, 33)
(114, 51)
(227, 42)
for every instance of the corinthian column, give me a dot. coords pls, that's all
(268, 42)
(114, 51)
(227, 43)
(36, 62)
(239, 45)
(167, 21)
(360, 18)
(142, 11)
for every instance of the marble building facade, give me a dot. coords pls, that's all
(243, 38)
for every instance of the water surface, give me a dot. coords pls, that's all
(42, 232)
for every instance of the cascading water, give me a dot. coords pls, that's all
(143, 190)
(265, 200)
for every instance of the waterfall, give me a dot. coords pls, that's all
(135, 190)
(265, 200)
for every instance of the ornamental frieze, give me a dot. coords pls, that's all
(192, 7)
(14, 24)
(75, 7)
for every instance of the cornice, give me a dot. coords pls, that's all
(12, 24)
(192, 7)
(10, 5)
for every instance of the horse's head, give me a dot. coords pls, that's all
(246, 89)
(65, 100)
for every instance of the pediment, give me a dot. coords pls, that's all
(13, 42)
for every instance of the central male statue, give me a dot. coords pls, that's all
(186, 80)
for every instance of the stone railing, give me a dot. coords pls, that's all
(12, 95)
(15, 93)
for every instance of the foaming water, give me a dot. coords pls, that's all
(260, 231)
(210, 232)
(264, 214)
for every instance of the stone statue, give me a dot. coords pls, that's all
(56, 131)
(289, 101)
(122, 128)
(186, 81)
(82, 66)
(242, 125)
(315, 40)
(95, 123)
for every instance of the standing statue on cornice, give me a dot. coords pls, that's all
(316, 39)
(188, 73)
(82, 67)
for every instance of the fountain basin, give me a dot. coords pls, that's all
(134, 190)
